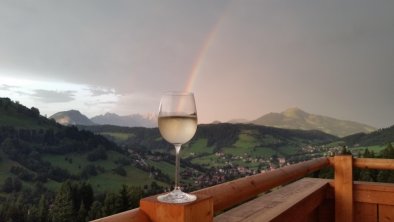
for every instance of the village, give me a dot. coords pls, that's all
(226, 167)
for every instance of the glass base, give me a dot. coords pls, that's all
(176, 196)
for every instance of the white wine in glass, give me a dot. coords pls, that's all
(177, 125)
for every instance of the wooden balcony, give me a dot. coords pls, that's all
(284, 194)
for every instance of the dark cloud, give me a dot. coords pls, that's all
(52, 96)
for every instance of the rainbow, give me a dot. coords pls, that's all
(200, 58)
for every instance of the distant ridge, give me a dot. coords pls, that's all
(71, 117)
(75, 117)
(295, 118)
(135, 120)
(379, 137)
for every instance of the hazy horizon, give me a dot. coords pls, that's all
(242, 59)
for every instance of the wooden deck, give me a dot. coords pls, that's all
(306, 200)
(296, 200)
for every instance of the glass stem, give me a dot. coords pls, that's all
(177, 150)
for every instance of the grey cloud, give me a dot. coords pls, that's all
(101, 91)
(100, 103)
(6, 87)
(122, 44)
(52, 96)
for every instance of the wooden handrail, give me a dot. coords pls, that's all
(232, 193)
(235, 192)
(134, 215)
(374, 163)
(370, 163)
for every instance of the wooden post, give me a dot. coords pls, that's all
(196, 211)
(343, 182)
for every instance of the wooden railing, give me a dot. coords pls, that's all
(231, 193)
(347, 198)
(361, 201)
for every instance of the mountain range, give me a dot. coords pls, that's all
(292, 118)
(74, 117)
(148, 120)
(295, 118)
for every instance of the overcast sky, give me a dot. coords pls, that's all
(244, 58)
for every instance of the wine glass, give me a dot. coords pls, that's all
(177, 124)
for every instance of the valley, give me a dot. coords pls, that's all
(39, 157)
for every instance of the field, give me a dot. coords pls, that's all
(165, 167)
(196, 148)
(105, 181)
(118, 136)
(375, 149)
(249, 145)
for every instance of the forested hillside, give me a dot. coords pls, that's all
(378, 137)
(50, 172)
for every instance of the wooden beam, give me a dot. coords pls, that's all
(343, 182)
(135, 215)
(374, 163)
(376, 193)
(365, 212)
(196, 211)
(232, 193)
(386, 213)
(297, 201)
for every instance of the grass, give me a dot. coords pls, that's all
(209, 160)
(79, 161)
(107, 181)
(196, 148)
(165, 167)
(53, 185)
(376, 149)
(248, 144)
(118, 136)
(288, 150)
(112, 182)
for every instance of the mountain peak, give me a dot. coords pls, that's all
(71, 117)
(294, 112)
(295, 118)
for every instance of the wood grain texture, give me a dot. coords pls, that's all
(370, 192)
(386, 213)
(365, 212)
(374, 163)
(135, 215)
(343, 184)
(294, 202)
(235, 192)
(196, 211)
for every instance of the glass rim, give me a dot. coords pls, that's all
(178, 93)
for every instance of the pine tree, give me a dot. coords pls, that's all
(82, 213)
(62, 209)
(123, 202)
(95, 211)
(87, 195)
(136, 193)
(388, 152)
(42, 210)
(109, 207)
(368, 175)
(387, 175)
